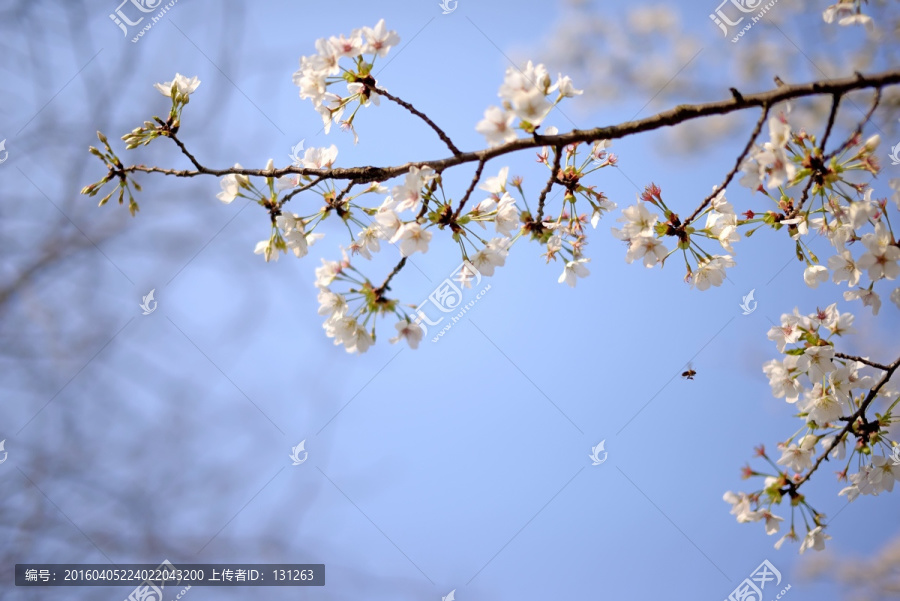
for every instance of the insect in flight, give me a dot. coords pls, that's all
(689, 373)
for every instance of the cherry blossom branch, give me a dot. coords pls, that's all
(446, 139)
(735, 169)
(680, 114)
(851, 421)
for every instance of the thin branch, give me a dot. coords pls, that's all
(472, 184)
(428, 193)
(862, 360)
(297, 191)
(735, 169)
(804, 195)
(399, 266)
(680, 114)
(835, 103)
(184, 150)
(876, 100)
(456, 151)
(343, 193)
(553, 179)
(384, 285)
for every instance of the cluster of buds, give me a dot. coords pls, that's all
(115, 170)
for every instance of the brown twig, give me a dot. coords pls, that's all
(344, 192)
(184, 149)
(832, 116)
(735, 169)
(430, 192)
(862, 360)
(384, 285)
(456, 151)
(472, 184)
(804, 195)
(554, 170)
(303, 188)
(858, 132)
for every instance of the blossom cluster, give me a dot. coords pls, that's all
(564, 236)
(418, 205)
(398, 220)
(832, 393)
(643, 231)
(839, 208)
(526, 94)
(319, 71)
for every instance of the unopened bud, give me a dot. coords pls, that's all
(872, 143)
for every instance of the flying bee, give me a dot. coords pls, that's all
(689, 373)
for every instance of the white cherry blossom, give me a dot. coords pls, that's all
(574, 270)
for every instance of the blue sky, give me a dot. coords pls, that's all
(462, 465)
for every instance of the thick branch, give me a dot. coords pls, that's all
(680, 114)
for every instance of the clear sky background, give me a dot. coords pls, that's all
(462, 465)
